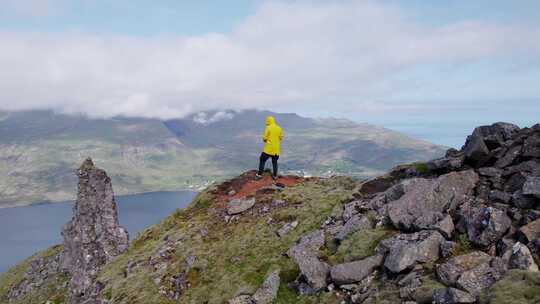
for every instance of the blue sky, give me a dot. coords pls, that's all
(388, 62)
(141, 17)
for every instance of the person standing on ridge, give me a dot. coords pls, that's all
(272, 137)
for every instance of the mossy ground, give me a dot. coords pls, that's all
(517, 287)
(232, 258)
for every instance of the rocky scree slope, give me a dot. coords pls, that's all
(464, 228)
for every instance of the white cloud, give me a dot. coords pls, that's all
(205, 118)
(322, 54)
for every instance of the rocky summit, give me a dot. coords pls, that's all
(464, 228)
(93, 237)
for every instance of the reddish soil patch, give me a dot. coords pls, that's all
(246, 185)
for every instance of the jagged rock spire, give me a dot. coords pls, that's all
(93, 237)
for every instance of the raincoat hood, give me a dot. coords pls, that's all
(270, 121)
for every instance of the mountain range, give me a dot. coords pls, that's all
(40, 150)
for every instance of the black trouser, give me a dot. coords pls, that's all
(262, 162)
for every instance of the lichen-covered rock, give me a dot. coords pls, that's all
(313, 272)
(268, 290)
(532, 186)
(482, 276)
(530, 231)
(286, 228)
(240, 205)
(452, 296)
(355, 271)
(485, 225)
(429, 196)
(521, 258)
(355, 223)
(403, 251)
(93, 237)
(449, 272)
(445, 226)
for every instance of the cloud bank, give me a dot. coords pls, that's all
(314, 54)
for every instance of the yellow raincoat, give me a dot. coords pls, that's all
(272, 137)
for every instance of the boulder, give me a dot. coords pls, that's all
(523, 201)
(497, 134)
(530, 167)
(240, 205)
(482, 276)
(452, 296)
(268, 290)
(286, 228)
(445, 226)
(313, 272)
(351, 209)
(445, 164)
(356, 271)
(435, 221)
(449, 272)
(355, 223)
(521, 258)
(490, 172)
(409, 285)
(530, 231)
(509, 157)
(430, 196)
(515, 182)
(475, 149)
(93, 237)
(485, 225)
(500, 196)
(403, 251)
(531, 147)
(532, 186)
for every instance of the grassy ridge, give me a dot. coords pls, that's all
(232, 258)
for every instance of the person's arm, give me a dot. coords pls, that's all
(266, 134)
(280, 134)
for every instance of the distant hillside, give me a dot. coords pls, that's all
(39, 150)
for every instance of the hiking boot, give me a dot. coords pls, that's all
(258, 176)
(274, 177)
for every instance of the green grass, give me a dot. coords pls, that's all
(233, 258)
(517, 287)
(359, 245)
(421, 168)
(464, 246)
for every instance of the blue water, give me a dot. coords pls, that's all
(26, 230)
